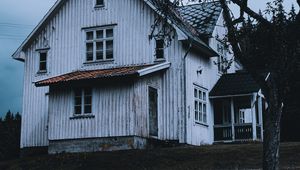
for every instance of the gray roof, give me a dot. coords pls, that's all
(203, 16)
(235, 84)
(175, 16)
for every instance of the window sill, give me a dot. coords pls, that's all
(110, 61)
(88, 116)
(99, 6)
(160, 60)
(42, 73)
(201, 124)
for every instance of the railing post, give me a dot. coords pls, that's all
(260, 114)
(253, 112)
(232, 118)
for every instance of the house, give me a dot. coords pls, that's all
(95, 81)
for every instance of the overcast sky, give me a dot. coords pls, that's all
(17, 19)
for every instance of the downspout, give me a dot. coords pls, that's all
(184, 91)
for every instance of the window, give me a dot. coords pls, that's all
(200, 105)
(43, 62)
(83, 101)
(99, 45)
(221, 59)
(159, 49)
(99, 3)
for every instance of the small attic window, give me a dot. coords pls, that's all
(99, 3)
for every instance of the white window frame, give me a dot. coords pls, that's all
(96, 40)
(242, 116)
(82, 104)
(200, 105)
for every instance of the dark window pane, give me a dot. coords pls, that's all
(78, 101)
(90, 35)
(89, 57)
(43, 56)
(99, 55)
(88, 109)
(88, 100)
(99, 34)
(204, 96)
(159, 49)
(159, 54)
(99, 46)
(77, 92)
(159, 44)
(109, 55)
(196, 115)
(195, 93)
(200, 107)
(43, 66)
(200, 95)
(100, 2)
(89, 47)
(88, 92)
(43, 61)
(109, 45)
(109, 33)
(78, 110)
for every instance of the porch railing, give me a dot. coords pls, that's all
(241, 132)
(223, 132)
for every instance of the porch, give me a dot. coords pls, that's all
(238, 109)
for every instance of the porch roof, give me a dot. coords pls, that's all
(116, 72)
(240, 83)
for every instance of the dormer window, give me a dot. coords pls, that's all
(99, 44)
(99, 3)
(159, 49)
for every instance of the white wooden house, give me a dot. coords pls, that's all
(94, 81)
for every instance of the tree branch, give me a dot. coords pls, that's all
(251, 13)
(233, 40)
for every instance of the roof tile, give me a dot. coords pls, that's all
(93, 74)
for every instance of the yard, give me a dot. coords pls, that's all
(245, 156)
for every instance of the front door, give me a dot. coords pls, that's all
(153, 109)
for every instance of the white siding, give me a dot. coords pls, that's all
(112, 107)
(65, 37)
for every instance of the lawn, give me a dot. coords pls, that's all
(245, 156)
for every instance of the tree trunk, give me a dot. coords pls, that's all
(272, 132)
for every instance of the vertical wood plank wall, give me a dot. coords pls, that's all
(65, 37)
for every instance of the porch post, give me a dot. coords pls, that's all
(232, 118)
(260, 114)
(253, 111)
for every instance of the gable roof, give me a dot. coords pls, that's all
(176, 19)
(240, 83)
(203, 16)
(117, 72)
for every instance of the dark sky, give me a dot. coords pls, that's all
(17, 19)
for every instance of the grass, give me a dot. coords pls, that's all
(245, 156)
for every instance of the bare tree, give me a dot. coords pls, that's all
(278, 55)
